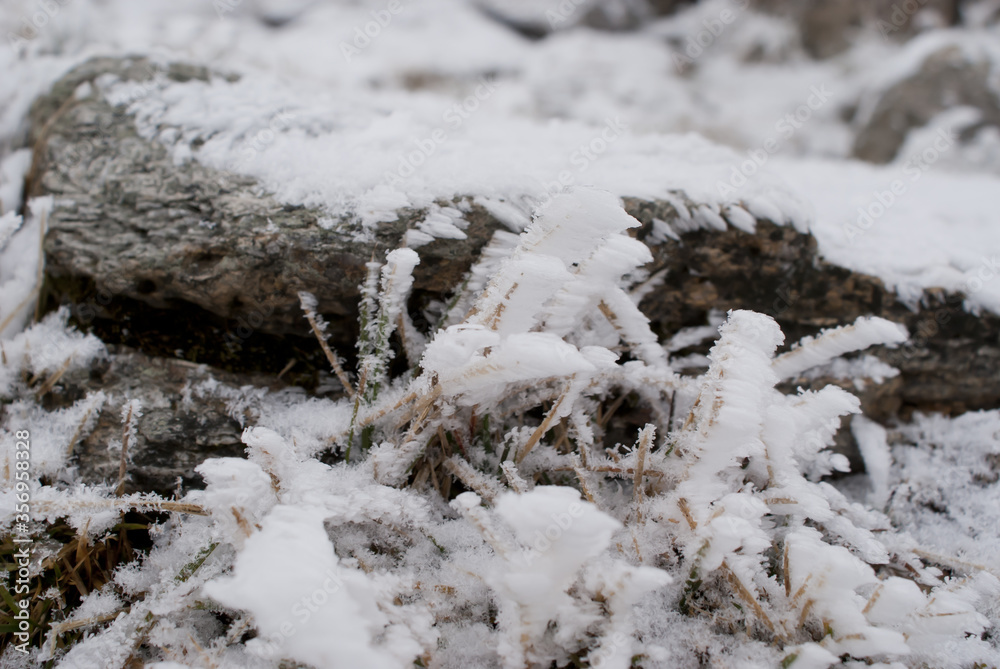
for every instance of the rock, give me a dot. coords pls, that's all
(536, 20)
(182, 262)
(828, 28)
(949, 365)
(179, 428)
(138, 227)
(948, 78)
(625, 15)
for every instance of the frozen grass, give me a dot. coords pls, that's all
(486, 517)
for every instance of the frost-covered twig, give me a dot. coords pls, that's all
(318, 325)
(866, 331)
(131, 412)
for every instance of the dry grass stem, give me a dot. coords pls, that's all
(328, 352)
(544, 427)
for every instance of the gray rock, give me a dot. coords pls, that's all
(536, 20)
(141, 228)
(179, 427)
(828, 28)
(946, 79)
(170, 255)
(949, 365)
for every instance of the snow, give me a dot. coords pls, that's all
(940, 484)
(554, 548)
(47, 348)
(835, 342)
(499, 117)
(556, 534)
(373, 162)
(20, 259)
(348, 564)
(288, 571)
(936, 229)
(871, 438)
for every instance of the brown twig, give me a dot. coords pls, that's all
(79, 431)
(128, 503)
(40, 270)
(544, 427)
(744, 593)
(514, 480)
(472, 479)
(327, 351)
(42, 142)
(52, 380)
(581, 476)
(954, 562)
(645, 437)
